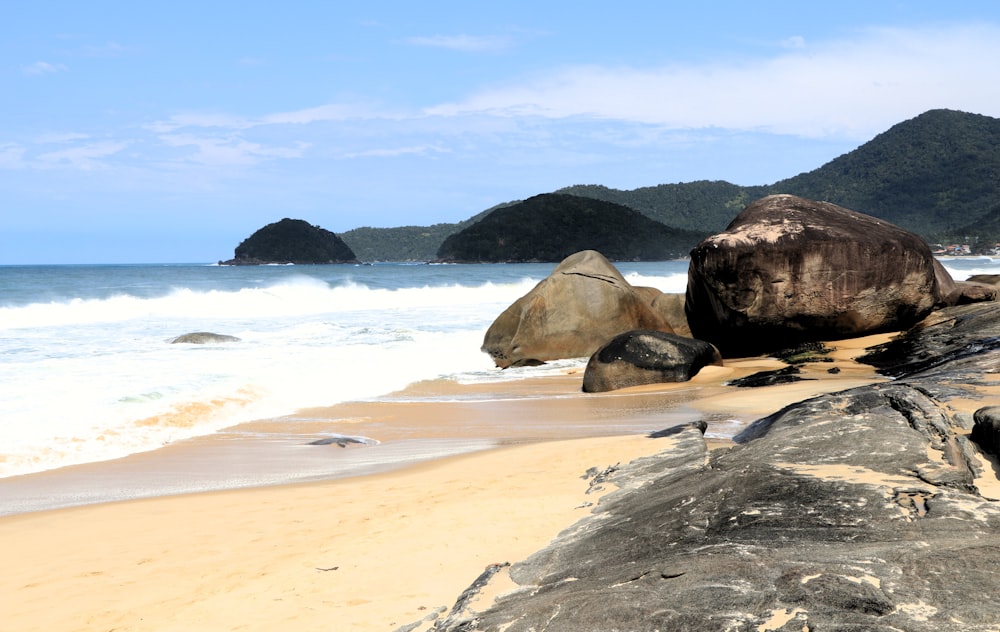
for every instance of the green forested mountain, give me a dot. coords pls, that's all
(690, 205)
(934, 175)
(405, 243)
(931, 174)
(937, 175)
(552, 226)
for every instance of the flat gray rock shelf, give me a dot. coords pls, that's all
(869, 509)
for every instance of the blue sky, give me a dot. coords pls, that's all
(170, 131)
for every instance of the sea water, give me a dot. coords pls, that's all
(88, 372)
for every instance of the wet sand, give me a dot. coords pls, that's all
(364, 537)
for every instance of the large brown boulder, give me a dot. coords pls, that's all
(790, 270)
(584, 303)
(978, 288)
(668, 305)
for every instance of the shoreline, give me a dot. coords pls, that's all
(369, 550)
(426, 421)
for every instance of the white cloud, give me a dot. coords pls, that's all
(58, 138)
(85, 157)
(795, 41)
(108, 49)
(329, 112)
(421, 150)
(465, 43)
(11, 156)
(848, 88)
(42, 68)
(229, 150)
(198, 119)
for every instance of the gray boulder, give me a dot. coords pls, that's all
(203, 338)
(858, 510)
(669, 306)
(584, 303)
(642, 357)
(789, 270)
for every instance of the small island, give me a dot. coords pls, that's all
(291, 241)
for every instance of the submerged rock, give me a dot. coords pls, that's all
(786, 375)
(203, 338)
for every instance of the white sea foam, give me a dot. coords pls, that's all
(961, 268)
(92, 379)
(87, 372)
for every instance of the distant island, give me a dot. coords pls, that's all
(551, 226)
(291, 241)
(935, 175)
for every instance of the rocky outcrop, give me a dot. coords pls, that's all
(642, 357)
(868, 509)
(669, 306)
(203, 338)
(953, 334)
(580, 306)
(788, 270)
(291, 241)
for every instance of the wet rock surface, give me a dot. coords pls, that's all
(790, 269)
(203, 338)
(868, 509)
(642, 357)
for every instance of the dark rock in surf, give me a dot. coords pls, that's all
(642, 357)
(945, 336)
(203, 338)
(343, 441)
(786, 375)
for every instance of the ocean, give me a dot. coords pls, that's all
(88, 373)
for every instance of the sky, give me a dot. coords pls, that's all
(168, 132)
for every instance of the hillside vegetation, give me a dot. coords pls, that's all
(552, 226)
(937, 175)
(291, 241)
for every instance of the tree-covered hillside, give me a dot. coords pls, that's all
(701, 205)
(291, 241)
(552, 226)
(405, 243)
(932, 174)
(937, 175)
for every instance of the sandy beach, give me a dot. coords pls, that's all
(464, 476)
